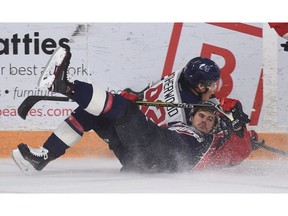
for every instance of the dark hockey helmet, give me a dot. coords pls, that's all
(201, 70)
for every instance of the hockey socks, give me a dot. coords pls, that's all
(66, 135)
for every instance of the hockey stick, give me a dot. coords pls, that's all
(167, 104)
(30, 101)
(184, 105)
(261, 144)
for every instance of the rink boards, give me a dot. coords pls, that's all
(92, 146)
(114, 56)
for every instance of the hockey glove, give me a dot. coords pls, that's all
(285, 46)
(240, 118)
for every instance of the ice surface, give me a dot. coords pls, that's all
(102, 176)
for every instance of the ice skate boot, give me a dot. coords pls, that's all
(30, 159)
(54, 76)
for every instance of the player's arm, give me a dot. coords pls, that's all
(237, 146)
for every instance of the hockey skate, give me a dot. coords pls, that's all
(54, 76)
(29, 159)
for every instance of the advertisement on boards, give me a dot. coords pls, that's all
(115, 56)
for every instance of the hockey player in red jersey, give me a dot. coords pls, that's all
(208, 141)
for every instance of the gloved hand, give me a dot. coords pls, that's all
(285, 46)
(240, 118)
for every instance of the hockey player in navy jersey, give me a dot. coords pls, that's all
(192, 84)
(138, 143)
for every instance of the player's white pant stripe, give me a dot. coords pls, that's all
(67, 134)
(97, 102)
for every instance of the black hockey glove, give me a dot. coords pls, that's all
(240, 118)
(224, 126)
(285, 46)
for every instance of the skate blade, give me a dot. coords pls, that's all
(23, 164)
(47, 77)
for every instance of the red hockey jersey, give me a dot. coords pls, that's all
(230, 153)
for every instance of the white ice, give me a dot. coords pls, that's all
(102, 176)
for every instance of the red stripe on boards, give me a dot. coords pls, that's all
(172, 49)
(258, 102)
(241, 27)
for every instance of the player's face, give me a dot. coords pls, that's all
(204, 121)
